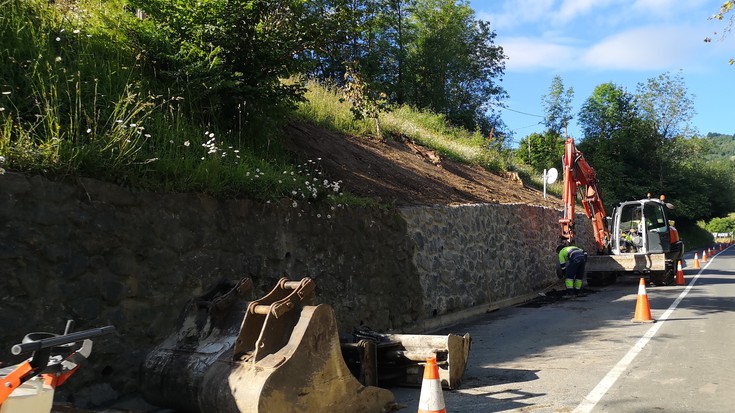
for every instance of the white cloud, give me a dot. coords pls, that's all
(529, 54)
(669, 8)
(517, 13)
(645, 48)
(535, 15)
(571, 9)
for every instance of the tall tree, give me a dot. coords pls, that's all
(230, 56)
(615, 143)
(666, 105)
(455, 66)
(665, 102)
(545, 150)
(541, 151)
(558, 106)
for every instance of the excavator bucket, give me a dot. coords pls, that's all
(284, 356)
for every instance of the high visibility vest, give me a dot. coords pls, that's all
(564, 253)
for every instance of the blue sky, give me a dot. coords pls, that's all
(590, 42)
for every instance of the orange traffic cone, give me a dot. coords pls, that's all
(720, 247)
(704, 256)
(431, 399)
(696, 261)
(680, 275)
(642, 310)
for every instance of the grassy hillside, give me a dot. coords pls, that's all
(78, 97)
(721, 147)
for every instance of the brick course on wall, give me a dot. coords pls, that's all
(100, 254)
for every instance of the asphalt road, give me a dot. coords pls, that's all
(585, 354)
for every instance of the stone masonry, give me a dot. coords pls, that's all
(102, 255)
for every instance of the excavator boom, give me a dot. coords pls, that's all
(578, 175)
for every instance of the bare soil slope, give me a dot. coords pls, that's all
(403, 173)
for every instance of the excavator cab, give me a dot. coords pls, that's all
(640, 227)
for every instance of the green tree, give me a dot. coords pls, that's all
(558, 106)
(544, 151)
(387, 43)
(365, 100)
(430, 54)
(634, 153)
(454, 64)
(541, 151)
(228, 57)
(667, 107)
(721, 224)
(616, 143)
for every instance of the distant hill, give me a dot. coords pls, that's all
(723, 146)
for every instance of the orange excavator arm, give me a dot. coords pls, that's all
(580, 176)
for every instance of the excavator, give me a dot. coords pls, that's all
(637, 239)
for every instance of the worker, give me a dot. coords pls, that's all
(631, 241)
(572, 261)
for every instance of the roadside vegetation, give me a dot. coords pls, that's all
(80, 95)
(159, 95)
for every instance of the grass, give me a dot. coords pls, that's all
(324, 107)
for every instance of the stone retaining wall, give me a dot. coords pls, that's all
(100, 254)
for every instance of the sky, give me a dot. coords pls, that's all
(626, 42)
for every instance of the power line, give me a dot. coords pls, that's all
(522, 113)
(527, 126)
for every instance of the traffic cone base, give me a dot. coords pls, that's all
(431, 399)
(642, 308)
